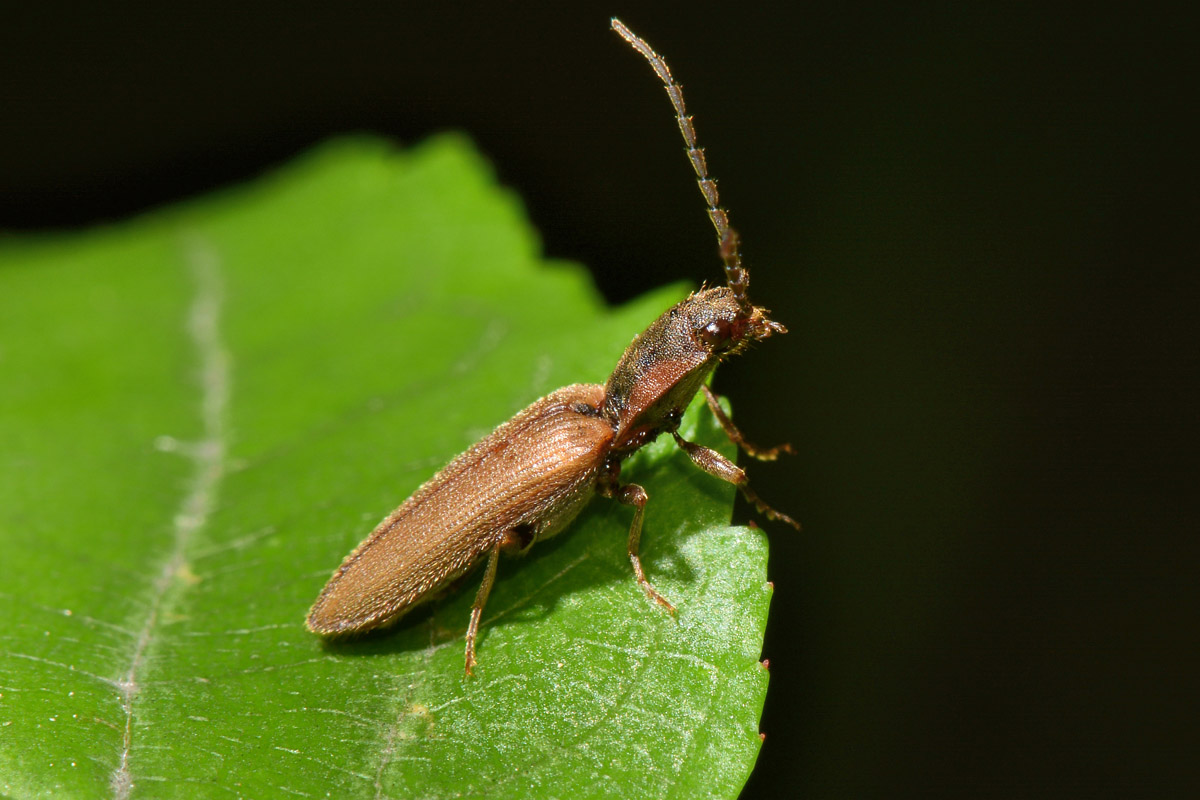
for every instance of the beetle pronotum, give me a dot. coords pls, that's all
(532, 475)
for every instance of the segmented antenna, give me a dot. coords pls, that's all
(738, 278)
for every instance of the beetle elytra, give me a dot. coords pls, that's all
(531, 476)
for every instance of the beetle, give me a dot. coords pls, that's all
(530, 477)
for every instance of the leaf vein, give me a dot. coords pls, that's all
(209, 468)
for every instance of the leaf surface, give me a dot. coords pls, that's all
(204, 409)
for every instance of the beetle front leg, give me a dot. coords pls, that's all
(721, 467)
(736, 436)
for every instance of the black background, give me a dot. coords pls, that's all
(979, 225)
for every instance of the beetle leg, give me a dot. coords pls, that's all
(721, 467)
(735, 435)
(633, 495)
(489, 577)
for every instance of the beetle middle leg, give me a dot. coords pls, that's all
(634, 495)
(721, 467)
(736, 436)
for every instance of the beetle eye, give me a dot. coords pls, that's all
(716, 334)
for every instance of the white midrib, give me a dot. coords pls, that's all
(208, 456)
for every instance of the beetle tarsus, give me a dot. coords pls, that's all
(766, 510)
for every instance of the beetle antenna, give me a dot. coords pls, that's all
(735, 274)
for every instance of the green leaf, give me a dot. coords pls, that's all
(203, 410)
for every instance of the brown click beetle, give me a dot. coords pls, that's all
(528, 479)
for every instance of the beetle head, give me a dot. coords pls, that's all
(665, 365)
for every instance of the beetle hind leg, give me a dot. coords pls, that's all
(517, 540)
(489, 577)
